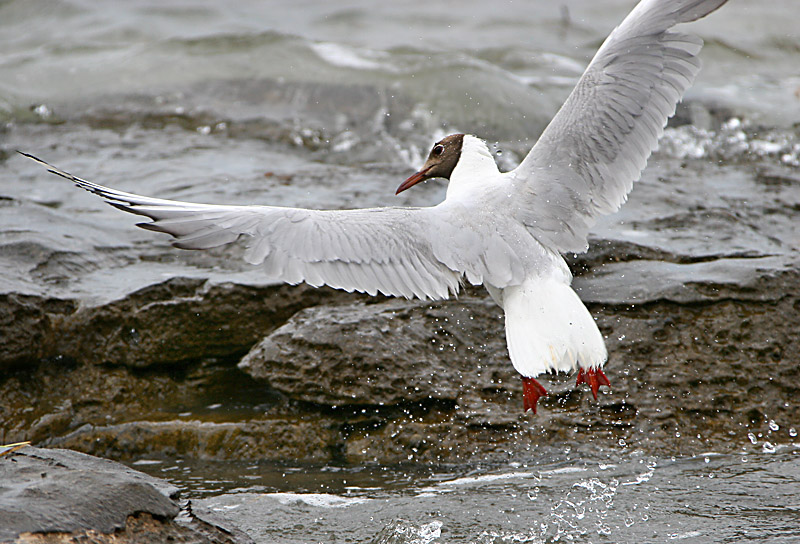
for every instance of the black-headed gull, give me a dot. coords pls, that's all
(506, 231)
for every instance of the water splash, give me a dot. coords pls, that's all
(586, 505)
(498, 537)
(736, 139)
(401, 531)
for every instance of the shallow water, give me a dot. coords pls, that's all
(558, 497)
(331, 104)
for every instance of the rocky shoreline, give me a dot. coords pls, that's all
(347, 379)
(301, 414)
(344, 378)
(696, 291)
(114, 344)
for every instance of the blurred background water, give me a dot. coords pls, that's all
(332, 104)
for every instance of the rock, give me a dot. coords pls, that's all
(27, 324)
(389, 381)
(647, 281)
(166, 323)
(52, 495)
(307, 440)
(432, 381)
(209, 412)
(392, 353)
(179, 320)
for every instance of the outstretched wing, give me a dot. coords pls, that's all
(385, 250)
(597, 145)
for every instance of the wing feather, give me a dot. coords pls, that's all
(386, 250)
(597, 145)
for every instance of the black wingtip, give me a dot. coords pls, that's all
(50, 168)
(146, 226)
(32, 157)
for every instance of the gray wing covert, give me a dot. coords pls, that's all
(597, 145)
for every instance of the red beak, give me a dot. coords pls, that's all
(422, 175)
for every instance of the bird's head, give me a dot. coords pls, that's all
(441, 162)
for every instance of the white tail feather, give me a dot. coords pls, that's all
(548, 329)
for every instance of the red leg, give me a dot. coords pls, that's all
(594, 377)
(531, 391)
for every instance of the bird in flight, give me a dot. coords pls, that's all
(505, 230)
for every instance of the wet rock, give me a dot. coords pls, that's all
(645, 281)
(694, 366)
(303, 439)
(179, 320)
(391, 353)
(53, 495)
(691, 365)
(27, 324)
(166, 323)
(205, 412)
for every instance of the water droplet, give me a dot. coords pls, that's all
(768, 448)
(43, 111)
(707, 460)
(792, 432)
(752, 437)
(772, 425)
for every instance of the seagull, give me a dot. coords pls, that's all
(505, 230)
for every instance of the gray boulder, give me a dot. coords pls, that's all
(66, 496)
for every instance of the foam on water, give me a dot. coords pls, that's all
(349, 57)
(736, 139)
(317, 500)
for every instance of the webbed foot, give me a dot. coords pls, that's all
(531, 391)
(594, 377)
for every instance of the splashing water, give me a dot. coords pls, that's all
(404, 532)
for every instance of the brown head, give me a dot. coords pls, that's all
(441, 161)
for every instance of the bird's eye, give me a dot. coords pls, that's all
(437, 150)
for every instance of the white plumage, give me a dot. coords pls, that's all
(549, 329)
(504, 230)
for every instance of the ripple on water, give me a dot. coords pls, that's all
(710, 497)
